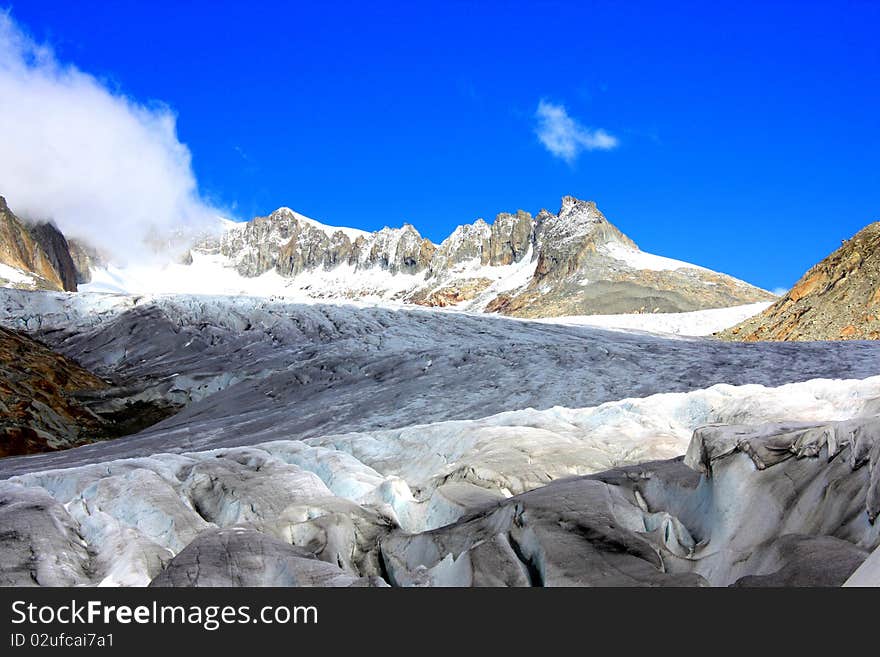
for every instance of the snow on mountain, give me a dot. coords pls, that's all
(638, 259)
(571, 263)
(351, 233)
(17, 277)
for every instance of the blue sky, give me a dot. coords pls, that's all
(743, 137)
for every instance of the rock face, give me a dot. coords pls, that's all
(54, 244)
(837, 299)
(48, 402)
(38, 409)
(31, 266)
(573, 262)
(85, 258)
(36, 255)
(585, 266)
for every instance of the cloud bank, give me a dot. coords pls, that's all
(103, 167)
(564, 137)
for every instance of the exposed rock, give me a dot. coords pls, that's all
(310, 248)
(38, 411)
(567, 240)
(511, 238)
(837, 299)
(450, 295)
(54, 244)
(20, 251)
(585, 265)
(397, 250)
(467, 242)
(254, 247)
(85, 258)
(48, 402)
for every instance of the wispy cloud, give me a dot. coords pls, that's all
(103, 166)
(779, 291)
(565, 137)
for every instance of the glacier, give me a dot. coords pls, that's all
(347, 444)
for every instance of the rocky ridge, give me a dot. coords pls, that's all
(569, 263)
(837, 299)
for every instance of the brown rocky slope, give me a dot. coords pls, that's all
(837, 299)
(36, 255)
(48, 402)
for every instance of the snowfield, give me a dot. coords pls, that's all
(696, 323)
(357, 445)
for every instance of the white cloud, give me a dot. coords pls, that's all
(104, 167)
(564, 137)
(779, 291)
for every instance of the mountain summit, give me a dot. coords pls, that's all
(568, 263)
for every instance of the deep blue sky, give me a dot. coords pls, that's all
(749, 136)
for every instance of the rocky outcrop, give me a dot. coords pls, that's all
(38, 408)
(837, 299)
(310, 248)
(511, 238)
(396, 250)
(48, 402)
(85, 258)
(585, 265)
(254, 247)
(566, 241)
(31, 266)
(466, 243)
(450, 295)
(505, 242)
(56, 247)
(40, 256)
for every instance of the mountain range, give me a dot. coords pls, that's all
(571, 263)
(574, 262)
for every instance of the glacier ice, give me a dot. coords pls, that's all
(317, 447)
